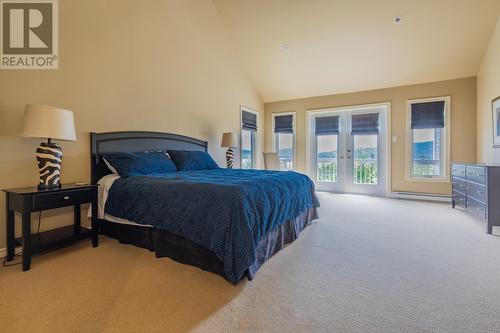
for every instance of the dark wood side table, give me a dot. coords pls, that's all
(30, 199)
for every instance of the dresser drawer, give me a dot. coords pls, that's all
(61, 199)
(458, 170)
(458, 184)
(476, 191)
(476, 174)
(459, 198)
(476, 208)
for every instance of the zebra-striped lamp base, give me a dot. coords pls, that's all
(229, 158)
(49, 157)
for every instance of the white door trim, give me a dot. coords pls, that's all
(387, 105)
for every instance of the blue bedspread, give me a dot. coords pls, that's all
(226, 211)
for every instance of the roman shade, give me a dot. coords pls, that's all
(248, 121)
(327, 125)
(427, 115)
(283, 124)
(364, 124)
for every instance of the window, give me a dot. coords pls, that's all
(364, 130)
(247, 149)
(284, 139)
(365, 166)
(248, 138)
(326, 159)
(326, 129)
(428, 138)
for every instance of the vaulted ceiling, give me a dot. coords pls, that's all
(303, 48)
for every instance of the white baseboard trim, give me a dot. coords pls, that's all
(421, 196)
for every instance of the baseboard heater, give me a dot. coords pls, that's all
(421, 196)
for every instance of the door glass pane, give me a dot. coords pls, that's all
(285, 150)
(426, 152)
(365, 159)
(327, 158)
(246, 149)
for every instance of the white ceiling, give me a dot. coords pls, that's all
(337, 46)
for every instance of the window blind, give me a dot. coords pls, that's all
(248, 121)
(327, 125)
(283, 124)
(427, 115)
(364, 124)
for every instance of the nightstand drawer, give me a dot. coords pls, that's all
(61, 199)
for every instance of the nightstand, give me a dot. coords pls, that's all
(30, 199)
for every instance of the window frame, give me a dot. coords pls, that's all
(253, 136)
(445, 135)
(294, 136)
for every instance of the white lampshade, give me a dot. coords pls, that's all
(229, 140)
(43, 121)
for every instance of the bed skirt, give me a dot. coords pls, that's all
(180, 249)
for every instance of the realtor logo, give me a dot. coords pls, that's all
(28, 35)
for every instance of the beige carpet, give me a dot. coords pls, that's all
(368, 265)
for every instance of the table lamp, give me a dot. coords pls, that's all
(229, 141)
(52, 123)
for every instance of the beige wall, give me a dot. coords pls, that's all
(126, 65)
(463, 123)
(488, 88)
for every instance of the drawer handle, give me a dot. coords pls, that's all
(475, 174)
(66, 198)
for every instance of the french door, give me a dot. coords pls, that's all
(348, 149)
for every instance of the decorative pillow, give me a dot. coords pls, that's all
(145, 163)
(192, 160)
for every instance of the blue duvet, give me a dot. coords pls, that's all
(226, 211)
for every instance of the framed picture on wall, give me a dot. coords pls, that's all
(495, 106)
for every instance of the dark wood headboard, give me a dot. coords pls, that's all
(132, 142)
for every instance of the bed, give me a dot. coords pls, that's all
(228, 222)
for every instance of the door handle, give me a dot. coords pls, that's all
(341, 157)
(348, 150)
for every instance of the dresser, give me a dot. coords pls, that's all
(476, 188)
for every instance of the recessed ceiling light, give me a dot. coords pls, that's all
(398, 19)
